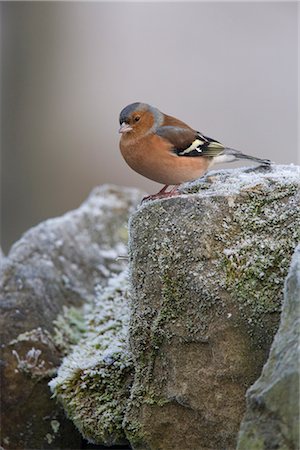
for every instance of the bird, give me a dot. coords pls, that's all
(167, 150)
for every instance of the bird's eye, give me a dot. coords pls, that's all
(137, 118)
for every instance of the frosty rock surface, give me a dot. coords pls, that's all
(272, 415)
(94, 381)
(207, 274)
(53, 269)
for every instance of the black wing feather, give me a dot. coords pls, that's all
(188, 142)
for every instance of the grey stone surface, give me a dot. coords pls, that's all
(48, 274)
(207, 275)
(272, 417)
(207, 271)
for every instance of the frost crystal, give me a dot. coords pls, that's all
(95, 378)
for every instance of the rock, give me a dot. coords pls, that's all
(49, 273)
(207, 275)
(272, 416)
(94, 381)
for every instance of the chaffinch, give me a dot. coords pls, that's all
(167, 150)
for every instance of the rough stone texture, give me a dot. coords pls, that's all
(52, 270)
(207, 274)
(94, 381)
(272, 417)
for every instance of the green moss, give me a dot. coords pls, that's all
(69, 328)
(134, 433)
(173, 304)
(251, 443)
(189, 270)
(199, 258)
(94, 381)
(95, 399)
(257, 261)
(152, 398)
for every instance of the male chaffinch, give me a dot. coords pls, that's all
(167, 150)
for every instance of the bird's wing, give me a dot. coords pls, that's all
(188, 142)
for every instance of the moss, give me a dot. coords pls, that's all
(33, 364)
(152, 398)
(173, 304)
(252, 443)
(69, 327)
(195, 258)
(134, 433)
(95, 399)
(55, 425)
(198, 260)
(257, 261)
(94, 381)
(50, 437)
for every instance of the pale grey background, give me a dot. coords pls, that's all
(228, 69)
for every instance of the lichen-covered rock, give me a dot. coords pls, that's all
(94, 380)
(52, 270)
(272, 416)
(207, 274)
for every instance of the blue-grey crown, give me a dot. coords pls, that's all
(138, 106)
(129, 109)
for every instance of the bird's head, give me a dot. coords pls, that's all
(139, 119)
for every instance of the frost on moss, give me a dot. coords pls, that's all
(94, 381)
(69, 327)
(273, 410)
(236, 235)
(207, 271)
(258, 235)
(263, 230)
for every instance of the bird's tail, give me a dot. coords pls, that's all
(235, 154)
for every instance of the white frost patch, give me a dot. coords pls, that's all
(113, 252)
(106, 338)
(103, 202)
(232, 181)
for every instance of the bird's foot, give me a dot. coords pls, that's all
(162, 194)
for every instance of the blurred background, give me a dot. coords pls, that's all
(67, 69)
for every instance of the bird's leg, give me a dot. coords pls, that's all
(163, 190)
(173, 191)
(162, 193)
(154, 196)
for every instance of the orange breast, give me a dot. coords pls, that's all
(152, 157)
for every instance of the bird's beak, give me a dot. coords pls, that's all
(125, 128)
